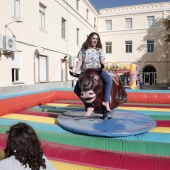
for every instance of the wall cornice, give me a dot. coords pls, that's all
(135, 9)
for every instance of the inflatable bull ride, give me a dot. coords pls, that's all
(92, 91)
(102, 122)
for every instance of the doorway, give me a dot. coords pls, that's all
(149, 75)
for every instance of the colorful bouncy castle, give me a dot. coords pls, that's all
(127, 72)
(70, 151)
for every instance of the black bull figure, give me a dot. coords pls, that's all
(92, 90)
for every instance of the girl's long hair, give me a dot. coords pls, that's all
(87, 43)
(23, 143)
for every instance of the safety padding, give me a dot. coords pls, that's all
(138, 96)
(149, 97)
(148, 143)
(70, 166)
(143, 96)
(59, 165)
(19, 103)
(39, 113)
(90, 157)
(66, 95)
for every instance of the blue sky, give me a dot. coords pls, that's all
(99, 4)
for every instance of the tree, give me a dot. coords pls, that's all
(166, 23)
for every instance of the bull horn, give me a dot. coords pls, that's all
(74, 75)
(102, 66)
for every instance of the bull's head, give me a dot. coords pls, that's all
(90, 84)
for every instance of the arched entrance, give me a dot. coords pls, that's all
(149, 75)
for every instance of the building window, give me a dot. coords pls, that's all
(108, 24)
(63, 28)
(77, 5)
(16, 67)
(108, 47)
(150, 46)
(150, 20)
(15, 74)
(87, 14)
(95, 26)
(16, 8)
(77, 36)
(128, 23)
(128, 46)
(42, 16)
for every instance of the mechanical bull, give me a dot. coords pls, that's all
(92, 90)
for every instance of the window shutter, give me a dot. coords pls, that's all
(16, 62)
(43, 68)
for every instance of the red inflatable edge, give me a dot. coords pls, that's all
(19, 103)
(107, 159)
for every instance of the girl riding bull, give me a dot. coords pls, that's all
(91, 55)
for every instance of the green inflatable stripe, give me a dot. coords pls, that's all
(143, 147)
(48, 110)
(155, 117)
(3, 129)
(35, 109)
(61, 110)
(160, 117)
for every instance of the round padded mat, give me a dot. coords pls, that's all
(121, 123)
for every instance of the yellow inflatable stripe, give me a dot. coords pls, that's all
(2, 155)
(62, 105)
(144, 108)
(30, 118)
(68, 166)
(161, 129)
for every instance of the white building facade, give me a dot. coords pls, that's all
(135, 34)
(39, 40)
(50, 32)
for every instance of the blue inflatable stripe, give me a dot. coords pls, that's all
(58, 108)
(147, 112)
(21, 94)
(35, 107)
(63, 89)
(35, 125)
(5, 96)
(148, 91)
(150, 137)
(62, 108)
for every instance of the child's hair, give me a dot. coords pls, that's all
(23, 143)
(87, 43)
